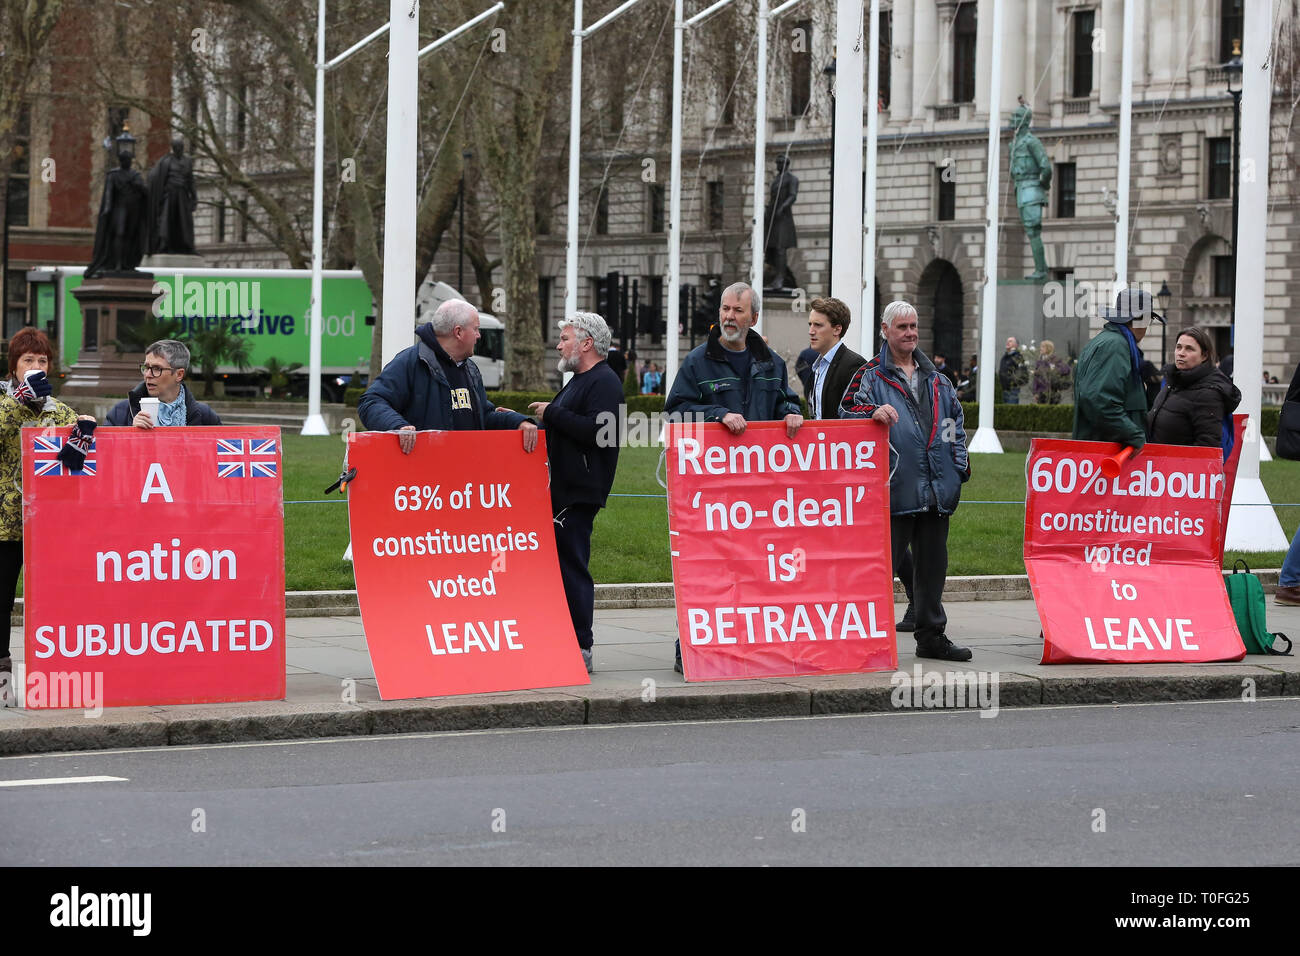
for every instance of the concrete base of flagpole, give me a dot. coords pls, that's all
(985, 442)
(1253, 527)
(1263, 452)
(314, 425)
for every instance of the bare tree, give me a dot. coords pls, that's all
(25, 28)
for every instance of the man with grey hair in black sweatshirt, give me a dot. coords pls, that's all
(583, 454)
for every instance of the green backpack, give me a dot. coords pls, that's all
(1246, 595)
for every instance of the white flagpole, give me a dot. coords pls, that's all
(1252, 526)
(985, 439)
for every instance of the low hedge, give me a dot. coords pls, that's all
(520, 401)
(1016, 418)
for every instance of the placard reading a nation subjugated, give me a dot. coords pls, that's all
(154, 574)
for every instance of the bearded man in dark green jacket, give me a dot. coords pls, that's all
(1109, 397)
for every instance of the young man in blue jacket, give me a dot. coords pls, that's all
(901, 388)
(435, 384)
(582, 438)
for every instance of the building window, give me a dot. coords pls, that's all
(602, 212)
(221, 221)
(241, 119)
(886, 45)
(1230, 23)
(544, 284)
(947, 194)
(655, 208)
(963, 54)
(1081, 67)
(715, 206)
(800, 67)
(1065, 190)
(1224, 276)
(1220, 167)
(243, 219)
(20, 170)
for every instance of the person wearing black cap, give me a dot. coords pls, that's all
(1110, 401)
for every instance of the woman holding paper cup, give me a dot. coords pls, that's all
(26, 399)
(1197, 399)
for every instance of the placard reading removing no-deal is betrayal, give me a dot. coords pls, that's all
(780, 549)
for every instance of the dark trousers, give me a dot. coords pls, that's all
(573, 544)
(927, 535)
(904, 571)
(11, 565)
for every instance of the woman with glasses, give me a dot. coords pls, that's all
(166, 364)
(25, 400)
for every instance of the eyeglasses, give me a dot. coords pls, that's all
(154, 371)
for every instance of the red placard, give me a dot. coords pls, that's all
(457, 576)
(156, 572)
(1127, 569)
(780, 549)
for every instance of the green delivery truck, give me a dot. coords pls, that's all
(267, 307)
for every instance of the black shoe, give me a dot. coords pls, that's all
(908, 623)
(677, 658)
(943, 650)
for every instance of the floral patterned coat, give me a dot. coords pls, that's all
(13, 416)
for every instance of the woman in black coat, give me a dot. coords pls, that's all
(1191, 408)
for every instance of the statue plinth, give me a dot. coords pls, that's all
(173, 260)
(109, 303)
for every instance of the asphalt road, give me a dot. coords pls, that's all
(1153, 785)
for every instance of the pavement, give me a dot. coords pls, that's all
(331, 689)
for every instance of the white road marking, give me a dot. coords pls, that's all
(51, 781)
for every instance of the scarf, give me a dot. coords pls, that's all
(1132, 351)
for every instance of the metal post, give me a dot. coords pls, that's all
(846, 215)
(1125, 137)
(1253, 528)
(460, 245)
(760, 158)
(867, 300)
(1236, 197)
(575, 119)
(399, 184)
(985, 440)
(675, 205)
(315, 421)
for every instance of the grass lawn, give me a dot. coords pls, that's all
(630, 543)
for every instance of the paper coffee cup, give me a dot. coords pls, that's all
(150, 407)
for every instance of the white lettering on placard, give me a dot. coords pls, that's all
(155, 483)
(476, 636)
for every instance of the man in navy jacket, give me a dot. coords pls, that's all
(582, 438)
(435, 384)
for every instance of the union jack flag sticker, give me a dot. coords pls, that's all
(47, 462)
(245, 458)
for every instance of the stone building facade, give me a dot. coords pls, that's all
(1064, 57)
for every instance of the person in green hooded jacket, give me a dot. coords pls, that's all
(1110, 402)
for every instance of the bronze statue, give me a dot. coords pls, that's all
(122, 229)
(778, 226)
(172, 200)
(1031, 171)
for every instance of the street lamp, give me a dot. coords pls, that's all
(829, 72)
(1163, 297)
(1232, 78)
